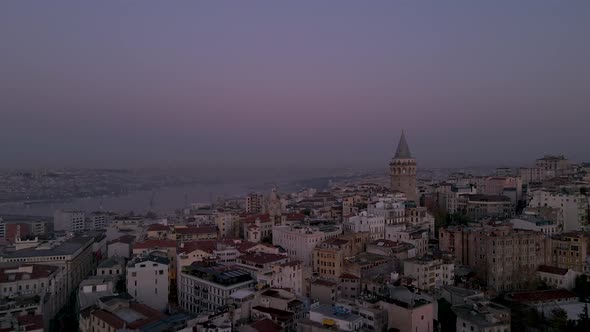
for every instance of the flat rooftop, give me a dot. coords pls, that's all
(68, 247)
(335, 312)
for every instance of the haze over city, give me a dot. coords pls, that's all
(330, 83)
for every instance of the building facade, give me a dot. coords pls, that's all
(147, 281)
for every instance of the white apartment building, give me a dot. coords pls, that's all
(205, 288)
(299, 241)
(99, 220)
(557, 277)
(574, 207)
(365, 222)
(38, 288)
(285, 276)
(430, 273)
(147, 280)
(412, 235)
(68, 220)
(393, 210)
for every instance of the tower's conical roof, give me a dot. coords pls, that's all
(403, 150)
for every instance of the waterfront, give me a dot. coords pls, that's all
(162, 201)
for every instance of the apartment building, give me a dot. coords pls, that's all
(147, 280)
(429, 273)
(504, 258)
(416, 236)
(255, 203)
(75, 256)
(207, 287)
(68, 220)
(365, 222)
(31, 288)
(299, 241)
(574, 207)
(569, 251)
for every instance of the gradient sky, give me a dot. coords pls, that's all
(147, 83)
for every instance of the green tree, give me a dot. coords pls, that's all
(583, 323)
(446, 316)
(121, 286)
(558, 322)
(582, 287)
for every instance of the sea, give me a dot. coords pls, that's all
(162, 201)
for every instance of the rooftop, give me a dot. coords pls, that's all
(403, 150)
(276, 314)
(262, 258)
(479, 314)
(26, 272)
(366, 258)
(335, 312)
(541, 296)
(158, 227)
(219, 274)
(68, 247)
(154, 244)
(196, 230)
(266, 325)
(148, 258)
(128, 239)
(552, 270)
(112, 262)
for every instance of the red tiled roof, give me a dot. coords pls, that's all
(154, 243)
(262, 258)
(196, 230)
(124, 239)
(322, 282)
(542, 296)
(348, 276)
(39, 271)
(295, 216)
(150, 313)
(203, 245)
(211, 245)
(552, 269)
(266, 325)
(158, 227)
(109, 318)
(252, 218)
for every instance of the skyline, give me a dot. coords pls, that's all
(312, 84)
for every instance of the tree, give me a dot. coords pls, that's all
(583, 323)
(121, 286)
(446, 316)
(582, 287)
(558, 322)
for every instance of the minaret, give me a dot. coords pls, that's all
(402, 170)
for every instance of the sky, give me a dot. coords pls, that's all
(331, 83)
